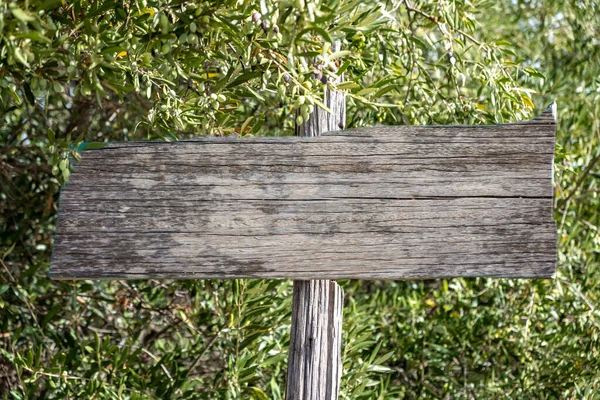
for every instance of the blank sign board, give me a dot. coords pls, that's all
(393, 202)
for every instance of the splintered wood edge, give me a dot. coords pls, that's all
(333, 277)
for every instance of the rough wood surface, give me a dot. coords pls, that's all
(314, 367)
(401, 202)
(315, 362)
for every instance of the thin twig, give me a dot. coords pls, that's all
(412, 56)
(158, 360)
(197, 360)
(25, 299)
(588, 169)
(48, 374)
(438, 23)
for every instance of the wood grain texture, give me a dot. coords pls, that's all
(402, 202)
(315, 367)
(315, 362)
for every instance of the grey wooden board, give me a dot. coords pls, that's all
(401, 202)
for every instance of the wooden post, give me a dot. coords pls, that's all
(315, 364)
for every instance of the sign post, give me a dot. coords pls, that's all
(314, 362)
(405, 202)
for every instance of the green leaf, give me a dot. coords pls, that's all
(379, 368)
(35, 36)
(366, 91)
(308, 54)
(317, 30)
(245, 124)
(91, 146)
(534, 72)
(4, 288)
(347, 85)
(9, 250)
(339, 54)
(66, 174)
(15, 395)
(384, 357)
(245, 78)
(19, 57)
(320, 104)
(256, 127)
(258, 393)
(21, 15)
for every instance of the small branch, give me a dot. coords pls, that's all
(50, 375)
(587, 171)
(439, 24)
(412, 57)
(158, 360)
(25, 299)
(206, 348)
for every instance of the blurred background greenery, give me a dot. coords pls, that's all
(93, 71)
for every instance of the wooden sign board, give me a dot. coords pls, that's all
(405, 202)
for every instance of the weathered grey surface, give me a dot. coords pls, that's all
(314, 367)
(315, 362)
(383, 203)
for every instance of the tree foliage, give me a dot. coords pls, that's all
(75, 73)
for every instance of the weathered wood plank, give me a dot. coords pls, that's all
(382, 203)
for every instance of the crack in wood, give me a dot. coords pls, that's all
(482, 192)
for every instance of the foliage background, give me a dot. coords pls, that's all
(90, 71)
